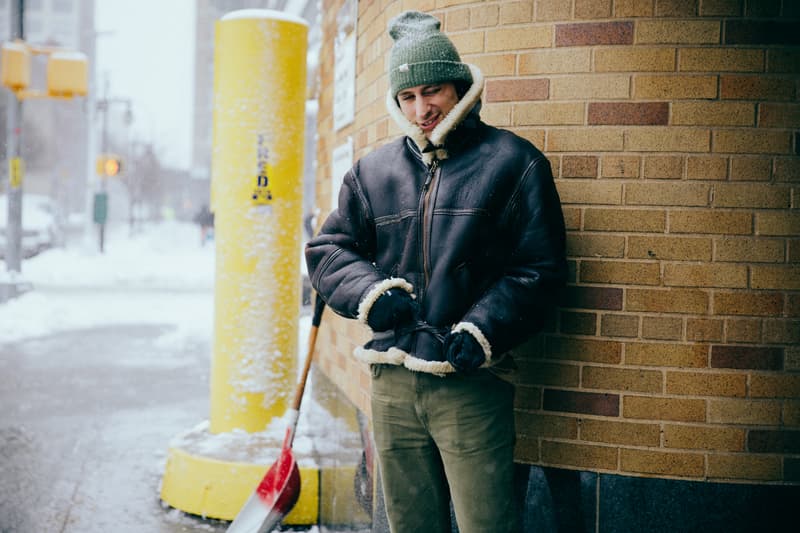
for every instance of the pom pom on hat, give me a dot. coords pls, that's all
(422, 55)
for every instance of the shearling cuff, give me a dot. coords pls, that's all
(392, 356)
(475, 331)
(377, 291)
(440, 368)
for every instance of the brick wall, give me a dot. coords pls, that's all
(672, 128)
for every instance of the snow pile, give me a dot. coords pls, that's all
(167, 255)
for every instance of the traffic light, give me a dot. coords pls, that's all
(109, 165)
(112, 166)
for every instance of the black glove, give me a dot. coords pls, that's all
(463, 351)
(393, 308)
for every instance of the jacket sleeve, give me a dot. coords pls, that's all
(516, 306)
(340, 258)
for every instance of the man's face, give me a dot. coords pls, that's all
(427, 105)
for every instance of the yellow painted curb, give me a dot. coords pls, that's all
(214, 488)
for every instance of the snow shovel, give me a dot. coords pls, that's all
(280, 487)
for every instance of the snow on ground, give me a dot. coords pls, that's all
(73, 285)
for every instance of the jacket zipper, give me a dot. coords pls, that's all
(433, 173)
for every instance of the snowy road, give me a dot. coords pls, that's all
(86, 421)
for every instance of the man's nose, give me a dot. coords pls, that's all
(422, 107)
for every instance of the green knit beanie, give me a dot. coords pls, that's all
(422, 55)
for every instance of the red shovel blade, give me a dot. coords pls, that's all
(273, 498)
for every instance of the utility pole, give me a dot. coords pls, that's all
(14, 156)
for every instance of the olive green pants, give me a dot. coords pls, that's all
(441, 438)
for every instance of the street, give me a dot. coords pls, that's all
(86, 422)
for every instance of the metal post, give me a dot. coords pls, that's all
(14, 157)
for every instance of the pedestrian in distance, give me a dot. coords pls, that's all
(448, 243)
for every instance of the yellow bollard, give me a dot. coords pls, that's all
(257, 171)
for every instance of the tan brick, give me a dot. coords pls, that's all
(711, 222)
(703, 167)
(749, 250)
(589, 192)
(775, 277)
(716, 8)
(664, 463)
(619, 166)
(662, 328)
(544, 373)
(704, 438)
(518, 38)
(748, 303)
(667, 139)
(638, 220)
(527, 449)
(677, 409)
(667, 355)
(516, 12)
(634, 59)
(791, 413)
(592, 9)
(687, 301)
(620, 272)
(555, 61)
(708, 275)
(525, 396)
(745, 467)
(669, 248)
(626, 433)
(551, 113)
(493, 65)
(743, 330)
(553, 10)
(721, 60)
(579, 166)
(779, 224)
(779, 115)
(752, 195)
(787, 169)
(674, 87)
(775, 386)
(678, 193)
(572, 218)
(590, 87)
(484, 15)
(755, 87)
(751, 168)
(622, 379)
(663, 167)
(713, 114)
(537, 425)
(704, 330)
(744, 412)
(782, 331)
(574, 349)
(706, 384)
(456, 20)
(677, 31)
(633, 8)
(469, 42)
(595, 139)
(579, 455)
(613, 325)
(591, 245)
(676, 8)
(577, 323)
(752, 141)
(783, 60)
(499, 114)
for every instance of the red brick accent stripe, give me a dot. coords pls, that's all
(746, 357)
(590, 403)
(592, 298)
(592, 33)
(629, 113)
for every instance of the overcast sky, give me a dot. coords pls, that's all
(146, 48)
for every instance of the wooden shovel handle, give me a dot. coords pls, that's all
(316, 319)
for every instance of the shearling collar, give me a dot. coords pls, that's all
(456, 116)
